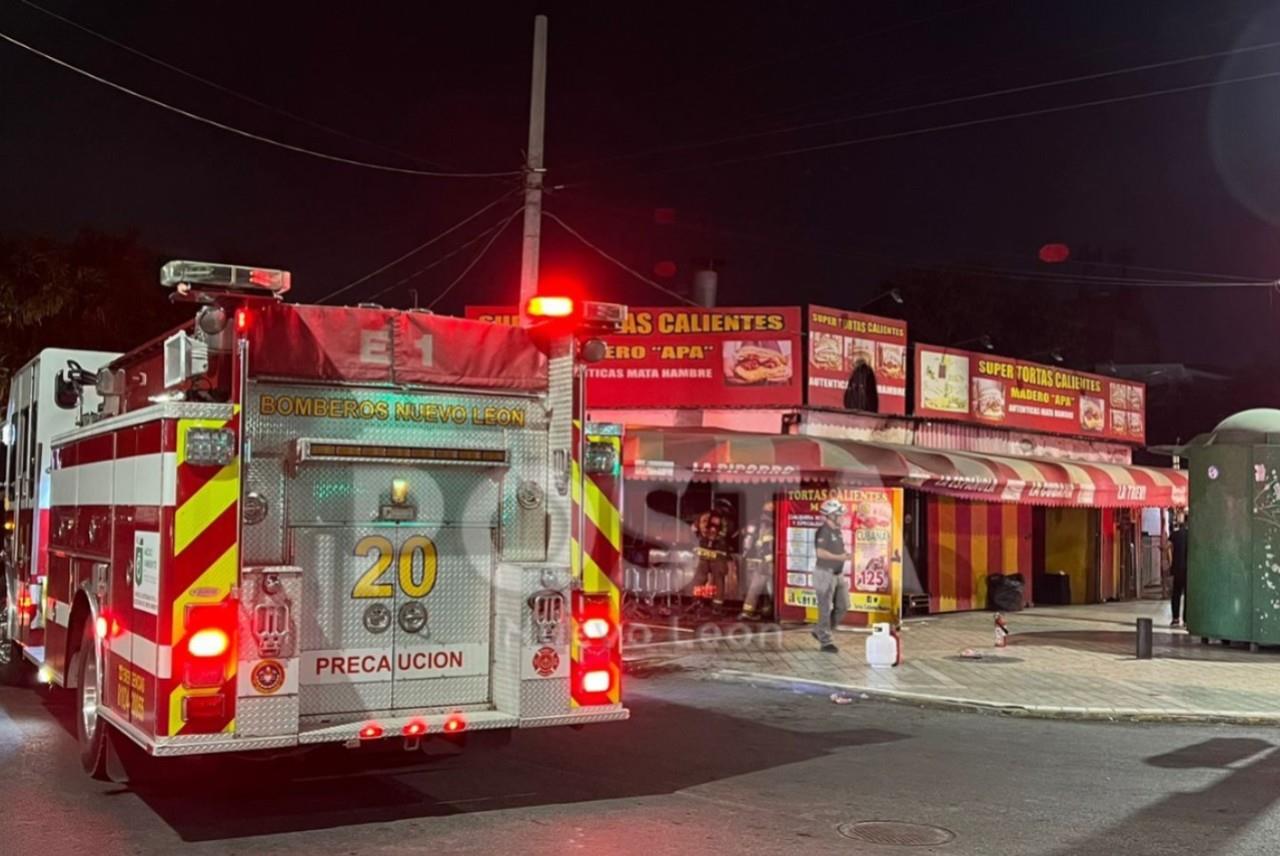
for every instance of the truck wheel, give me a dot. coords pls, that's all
(91, 729)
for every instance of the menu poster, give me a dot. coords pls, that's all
(998, 391)
(838, 340)
(872, 531)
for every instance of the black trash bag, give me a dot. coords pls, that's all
(1006, 592)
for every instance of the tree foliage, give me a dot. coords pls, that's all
(97, 292)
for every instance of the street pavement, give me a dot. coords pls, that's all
(703, 767)
(1059, 662)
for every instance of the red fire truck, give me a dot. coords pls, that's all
(285, 525)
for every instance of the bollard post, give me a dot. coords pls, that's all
(1144, 638)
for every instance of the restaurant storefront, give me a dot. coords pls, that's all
(969, 466)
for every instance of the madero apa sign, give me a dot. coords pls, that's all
(668, 357)
(1008, 393)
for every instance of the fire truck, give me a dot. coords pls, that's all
(285, 525)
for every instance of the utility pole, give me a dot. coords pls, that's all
(533, 168)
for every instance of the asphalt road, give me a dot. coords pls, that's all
(704, 767)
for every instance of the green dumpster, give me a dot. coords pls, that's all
(1233, 557)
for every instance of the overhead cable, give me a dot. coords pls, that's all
(382, 167)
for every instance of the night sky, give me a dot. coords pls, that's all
(1184, 182)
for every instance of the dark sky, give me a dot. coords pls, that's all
(1187, 181)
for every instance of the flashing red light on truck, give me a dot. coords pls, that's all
(550, 306)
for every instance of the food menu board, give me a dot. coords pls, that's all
(872, 531)
(1010, 393)
(838, 340)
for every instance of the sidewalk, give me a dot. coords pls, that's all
(1061, 662)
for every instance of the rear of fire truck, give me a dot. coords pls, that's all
(289, 525)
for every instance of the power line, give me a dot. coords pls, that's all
(1207, 281)
(951, 126)
(438, 237)
(575, 233)
(996, 93)
(248, 99)
(437, 262)
(478, 256)
(248, 134)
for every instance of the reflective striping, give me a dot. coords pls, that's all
(61, 613)
(128, 481)
(602, 513)
(214, 497)
(213, 586)
(155, 660)
(205, 564)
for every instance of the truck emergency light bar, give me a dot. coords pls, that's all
(591, 314)
(311, 450)
(236, 277)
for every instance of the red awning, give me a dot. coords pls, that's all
(685, 455)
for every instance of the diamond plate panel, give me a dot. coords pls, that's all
(332, 620)
(329, 493)
(459, 609)
(523, 531)
(542, 696)
(263, 543)
(267, 717)
(545, 697)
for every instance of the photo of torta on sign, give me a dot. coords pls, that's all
(839, 341)
(993, 390)
(728, 357)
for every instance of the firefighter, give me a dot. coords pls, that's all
(829, 581)
(757, 554)
(714, 531)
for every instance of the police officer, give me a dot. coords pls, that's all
(829, 581)
(714, 531)
(757, 553)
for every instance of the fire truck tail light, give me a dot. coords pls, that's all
(204, 707)
(596, 628)
(210, 642)
(455, 724)
(548, 306)
(596, 682)
(415, 728)
(210, 447)
(371, 731)
(242, 320)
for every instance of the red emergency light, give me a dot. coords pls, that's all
(550, 306)
(414, 728)
(371, 731)
(455, 724)
(209, 642)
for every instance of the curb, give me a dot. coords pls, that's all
(1085, 714)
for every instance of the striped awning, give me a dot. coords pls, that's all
(688, 455)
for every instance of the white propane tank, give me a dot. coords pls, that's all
(883, 651)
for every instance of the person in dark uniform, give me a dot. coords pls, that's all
(829, 581)
(714, 531)
(757, 553)
(1178, 570)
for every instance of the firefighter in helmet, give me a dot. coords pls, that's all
(714, 531)
(757, 552)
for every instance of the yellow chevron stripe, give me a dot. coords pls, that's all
(214, 586)
(214, 497)
(603, 513)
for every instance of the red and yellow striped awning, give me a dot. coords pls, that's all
(686, 455)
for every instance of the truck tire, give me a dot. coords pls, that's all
(91, 729)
